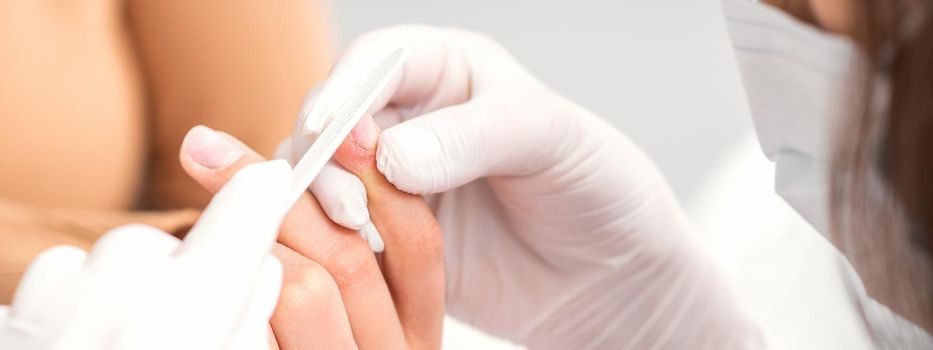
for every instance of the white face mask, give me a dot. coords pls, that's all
(799, 82)
(796, 78)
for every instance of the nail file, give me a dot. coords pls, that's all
(351, 111)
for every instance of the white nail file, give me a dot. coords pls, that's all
(358, 104)
(342, 122)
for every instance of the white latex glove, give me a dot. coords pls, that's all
(559, 232)
(141, 288)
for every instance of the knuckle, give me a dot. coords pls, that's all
(304, 285)
(353, 264)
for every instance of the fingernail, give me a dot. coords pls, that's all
(366, 133)
(209, 148)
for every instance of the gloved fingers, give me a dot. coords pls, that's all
(250, 335)
(237, 229)
(266, 290)
(371, 235)
(344, 200)
(43, 293)
(414, 257)
(436, 73)
(310, 313)
(126, 247)
(436, 152)
(388, 117)
(284, 151)
(311, 100)
(113, 275)
(308, 231)
(339, 192)
(253, 331)
(342, 195)
(453, 146)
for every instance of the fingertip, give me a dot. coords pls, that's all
(311, 131)
(348, 212)
(212, 179)
(383, 163)
(284, 150)
(372, 236)
(131, 247)
(65, 252)
(210, 149)
(354, 215)
(342, 195)
(315, 121)
(408, 158)
(47, 275)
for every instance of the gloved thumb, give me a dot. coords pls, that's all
(453, 146)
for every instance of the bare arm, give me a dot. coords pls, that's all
(239, 66)
(27, 230)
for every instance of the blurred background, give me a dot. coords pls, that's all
(657, 69)
(662, 71)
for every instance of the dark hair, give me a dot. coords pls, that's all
(882, 169)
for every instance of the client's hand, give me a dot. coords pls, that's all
(141, 288)
(334, 294)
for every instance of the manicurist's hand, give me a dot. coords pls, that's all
(559, 232)
(141, 288)
(334, 294)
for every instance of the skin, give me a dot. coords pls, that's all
(138, 74)
(37, 229)
(335, 294)
(96, 97)
(186, 77)
(118, 83)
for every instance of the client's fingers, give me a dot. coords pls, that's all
(309, 300)
(211, 158)
(413, 258)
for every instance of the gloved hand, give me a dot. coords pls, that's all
(141, 288)
(559, 232)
